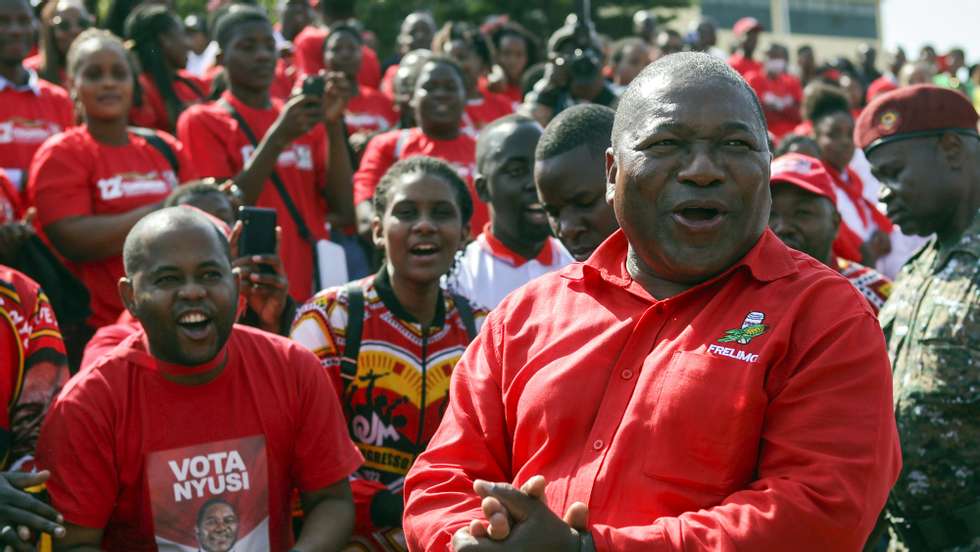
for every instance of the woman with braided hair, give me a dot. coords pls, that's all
(155, 37)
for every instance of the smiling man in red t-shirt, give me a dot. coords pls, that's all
(194, 409)
(694, 385)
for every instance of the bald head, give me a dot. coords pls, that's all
(679, 71)
(159, 225)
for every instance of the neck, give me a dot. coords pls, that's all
(747, 53)
(656, 286)
(962, 219)
(418, 299)
(256, 99)
(528, 250)
(441, 133)
(355, 88)
(14, 72)
(109, 131)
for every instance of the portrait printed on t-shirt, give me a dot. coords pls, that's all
(211, 497)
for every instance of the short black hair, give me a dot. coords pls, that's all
(587, 125)
(231, 20)
(822, 99)
(186, 192)
(684, 67)
(427, 165)
(790, 140)
(343, 28)
(207, 506)
(134, 248)
(485, 146)
(444, 59)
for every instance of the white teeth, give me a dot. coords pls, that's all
(192, 318)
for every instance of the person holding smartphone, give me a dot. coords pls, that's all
(273, 149)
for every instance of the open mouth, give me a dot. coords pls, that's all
(699, 216)
(536, 213)
(195, 325)
(424, 250)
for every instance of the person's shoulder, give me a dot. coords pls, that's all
(824, 287)
(52, 92)
(168, 138)
(74, 139)
(309, 34)
(207, 110)
(108, 376)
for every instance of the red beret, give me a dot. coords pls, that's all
(879, 87)
(746, 25)
(911, 112)
(805, 173)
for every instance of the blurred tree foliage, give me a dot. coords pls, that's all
(542, 17)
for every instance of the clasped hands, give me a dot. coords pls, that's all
(518, 520)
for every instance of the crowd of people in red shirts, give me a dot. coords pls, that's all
(160, 397)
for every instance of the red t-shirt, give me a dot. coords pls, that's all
(74, 175)
(780, 98)
(29, 115)
(190, 90)
(308, 46)
(11, 209)
(386, 149)
(738, 415)
(744, 65)
(388, 81)
(513, 92)
(480, 112)
(139, 455)
(286, 76)
(33, 366)
(369, 111)
(219, 149)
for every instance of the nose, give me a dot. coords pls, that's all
(701, 169)
(192, 291)
(570, 226)
(424, 225)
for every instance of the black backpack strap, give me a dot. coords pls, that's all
(304, 231)
(160, 145)
(466, 314)
(352, 336)
(192, 85)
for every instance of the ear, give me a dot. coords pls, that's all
(612, 170)
(482, 187)
(951, 146)
(125, 288)
(377, 233)
(836, 220)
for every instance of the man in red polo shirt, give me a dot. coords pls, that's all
(193, 410)
(31, 109)
(694, 385)
(747, 30)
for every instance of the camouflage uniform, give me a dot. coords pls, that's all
(932, 324)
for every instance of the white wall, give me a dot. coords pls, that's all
(942, 23)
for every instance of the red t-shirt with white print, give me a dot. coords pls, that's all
(219, 148)
(74, 175)
(142, 456)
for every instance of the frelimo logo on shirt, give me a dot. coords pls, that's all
(132, 184)
(752, 327)
(26, 131)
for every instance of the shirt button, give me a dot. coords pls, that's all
(626, 374)
(597, 444)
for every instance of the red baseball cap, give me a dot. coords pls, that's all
(912, 112)
(746, 25)
(804, 172)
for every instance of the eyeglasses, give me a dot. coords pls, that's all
(66, 25)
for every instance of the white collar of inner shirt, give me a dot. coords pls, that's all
(32, 84)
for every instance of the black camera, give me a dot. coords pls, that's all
(582, 64)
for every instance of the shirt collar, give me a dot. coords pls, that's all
(767, 261)
(32, 84)
(382, 284)
(497, 248)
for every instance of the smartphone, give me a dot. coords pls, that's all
(314, 85)
(258, 231)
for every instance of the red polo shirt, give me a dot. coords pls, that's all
(740, 414)
(219, 148)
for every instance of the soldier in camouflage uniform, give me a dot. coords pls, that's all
(923, 145)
